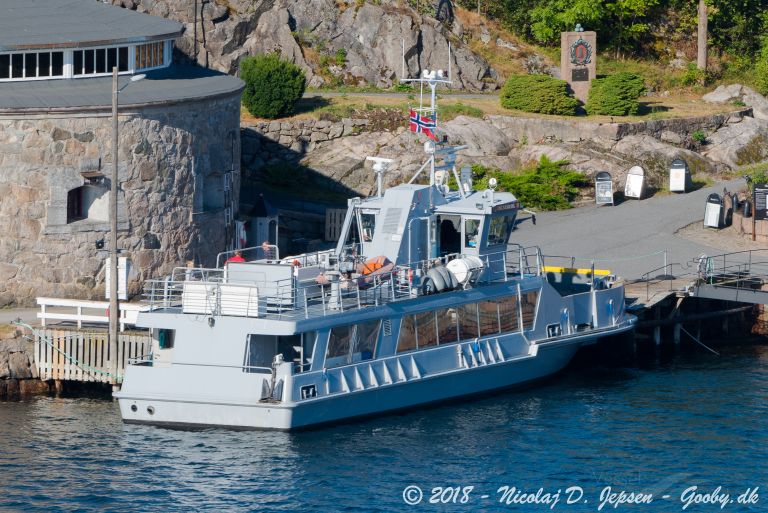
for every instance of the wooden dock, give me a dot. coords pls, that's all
(85, 355)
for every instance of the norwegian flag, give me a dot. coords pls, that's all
(421, 124)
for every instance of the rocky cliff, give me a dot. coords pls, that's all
(336, 42)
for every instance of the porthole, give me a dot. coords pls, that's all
(134, 408)
(151, 410)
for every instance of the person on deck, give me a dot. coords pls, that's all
(237, 257)
(268, 253)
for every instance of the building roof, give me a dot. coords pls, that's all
(169, 85)
(29, 24)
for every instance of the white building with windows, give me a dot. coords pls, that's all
(178, 153)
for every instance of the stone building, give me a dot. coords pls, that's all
(178, 153)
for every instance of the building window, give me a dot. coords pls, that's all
(151, 55)
(99, 61)
(87, 202)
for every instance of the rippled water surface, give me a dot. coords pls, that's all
(696, 420)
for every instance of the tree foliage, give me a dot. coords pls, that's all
(538, 93)
(623, 26)
(546, 186)
(615, 95)
(272, 85)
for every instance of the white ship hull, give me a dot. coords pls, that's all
(174, 409)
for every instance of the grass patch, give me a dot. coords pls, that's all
(452, 110)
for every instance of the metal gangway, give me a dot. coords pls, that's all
(739, 276)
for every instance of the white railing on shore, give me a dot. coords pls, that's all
(82, 311)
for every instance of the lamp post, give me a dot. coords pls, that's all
(114, 313)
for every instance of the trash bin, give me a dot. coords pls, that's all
(679, 176)
(713, 213)
(635, 185)
(603, 188)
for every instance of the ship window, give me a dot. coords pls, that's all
(368, 224)
(165, 338)
(528, 307)
(471, 228)
(426, 330)
(338, 346)
(260, 350)
(489, 317)
(508, 314)
(447, 331)
(407, 340)
(364, 340)
(450, 235)
(290, 347)
(350, 344)
(468, 321)
(307, 348)
(499, 230)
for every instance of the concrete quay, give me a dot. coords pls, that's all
(630, 238)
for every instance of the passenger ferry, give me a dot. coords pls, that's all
(425, 299)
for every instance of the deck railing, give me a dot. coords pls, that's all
(209, 292)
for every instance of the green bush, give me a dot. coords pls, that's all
(761, 70)
(615, 95)
(538, 93)
(272, 85)
(694, 76)
(546, 186)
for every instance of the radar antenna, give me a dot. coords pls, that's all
(380, 166)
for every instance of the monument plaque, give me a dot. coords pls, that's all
(580, 75)
(578, 52)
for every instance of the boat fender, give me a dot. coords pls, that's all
(443, 279)
(428, 286)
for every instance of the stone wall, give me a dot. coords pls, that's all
(168, 155)
(274, 142)
(18, 373)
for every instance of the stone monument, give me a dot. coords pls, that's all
(578, 53)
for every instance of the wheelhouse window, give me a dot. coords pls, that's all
(471, 229)
(499, 230)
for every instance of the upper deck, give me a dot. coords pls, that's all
(309, 286)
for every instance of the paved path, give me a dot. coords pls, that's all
(27, 315)
(630, 238)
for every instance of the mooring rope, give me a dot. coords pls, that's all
(699, 342)
(75, 361)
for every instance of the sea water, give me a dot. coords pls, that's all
(689, 433)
